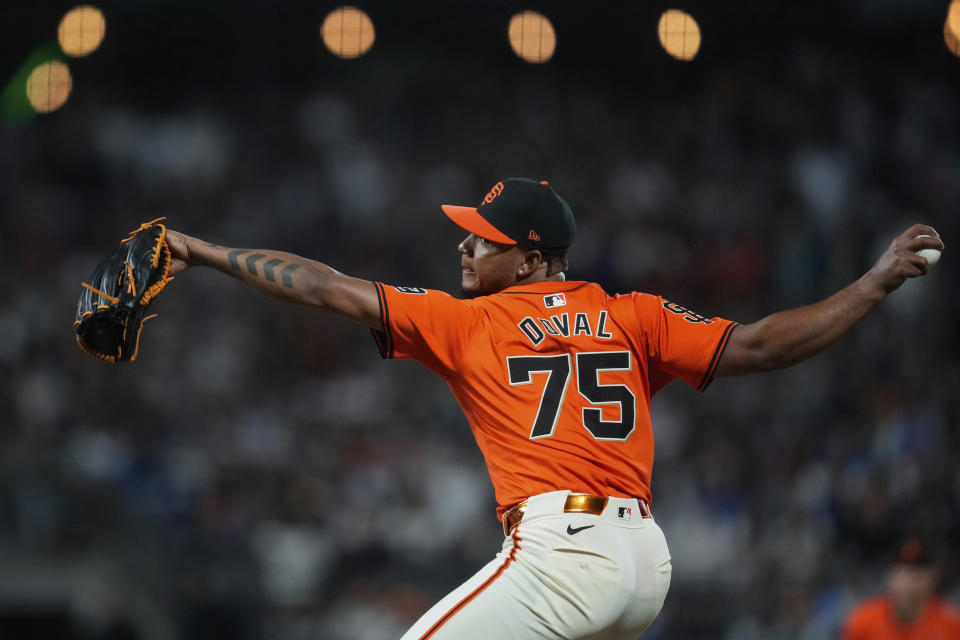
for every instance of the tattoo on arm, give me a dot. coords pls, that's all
(286, 273)
(252, 262)
(233, 255)
(269, 266)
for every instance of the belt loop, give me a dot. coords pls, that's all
(512, 517)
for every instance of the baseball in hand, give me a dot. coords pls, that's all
(932, 255)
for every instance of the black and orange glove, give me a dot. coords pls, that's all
(113, 305)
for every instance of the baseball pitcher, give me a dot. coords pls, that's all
(555, 378)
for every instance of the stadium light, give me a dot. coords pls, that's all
(679, 34)
(953, 17)
(81, 31)
(951, 28)
(532, 37)
(347, 32)
(951, 39)
(49, 86)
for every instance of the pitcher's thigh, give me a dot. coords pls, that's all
(489, 606)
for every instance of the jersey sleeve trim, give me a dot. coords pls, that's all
(717, 354)
(384, 337)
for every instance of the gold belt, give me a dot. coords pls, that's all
(575, 503)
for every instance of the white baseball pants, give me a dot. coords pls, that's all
(561, 576)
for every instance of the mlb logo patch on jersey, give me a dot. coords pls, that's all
(554, 300)
(624, 513)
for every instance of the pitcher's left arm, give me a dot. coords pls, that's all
(788, 337)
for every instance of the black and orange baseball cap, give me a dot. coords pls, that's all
(520, 210)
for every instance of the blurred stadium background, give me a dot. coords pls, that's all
(259, 473)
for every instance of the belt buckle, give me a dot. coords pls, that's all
(585, 503)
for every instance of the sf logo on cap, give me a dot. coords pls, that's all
(490, 197)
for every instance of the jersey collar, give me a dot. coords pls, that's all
(546, 286)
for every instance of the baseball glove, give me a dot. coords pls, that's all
(113, 305)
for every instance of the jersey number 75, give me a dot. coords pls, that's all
(589, 365)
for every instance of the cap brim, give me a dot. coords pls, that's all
(471, 220)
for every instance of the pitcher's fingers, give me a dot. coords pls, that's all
(924, 242)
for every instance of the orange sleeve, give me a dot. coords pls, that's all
(851, 630)
(430, 326)
(859, 625)
(680, 343)
(949, 620)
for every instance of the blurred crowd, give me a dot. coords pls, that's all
(260, 473)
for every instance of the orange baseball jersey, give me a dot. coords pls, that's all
(555, 378)
(876, 620)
